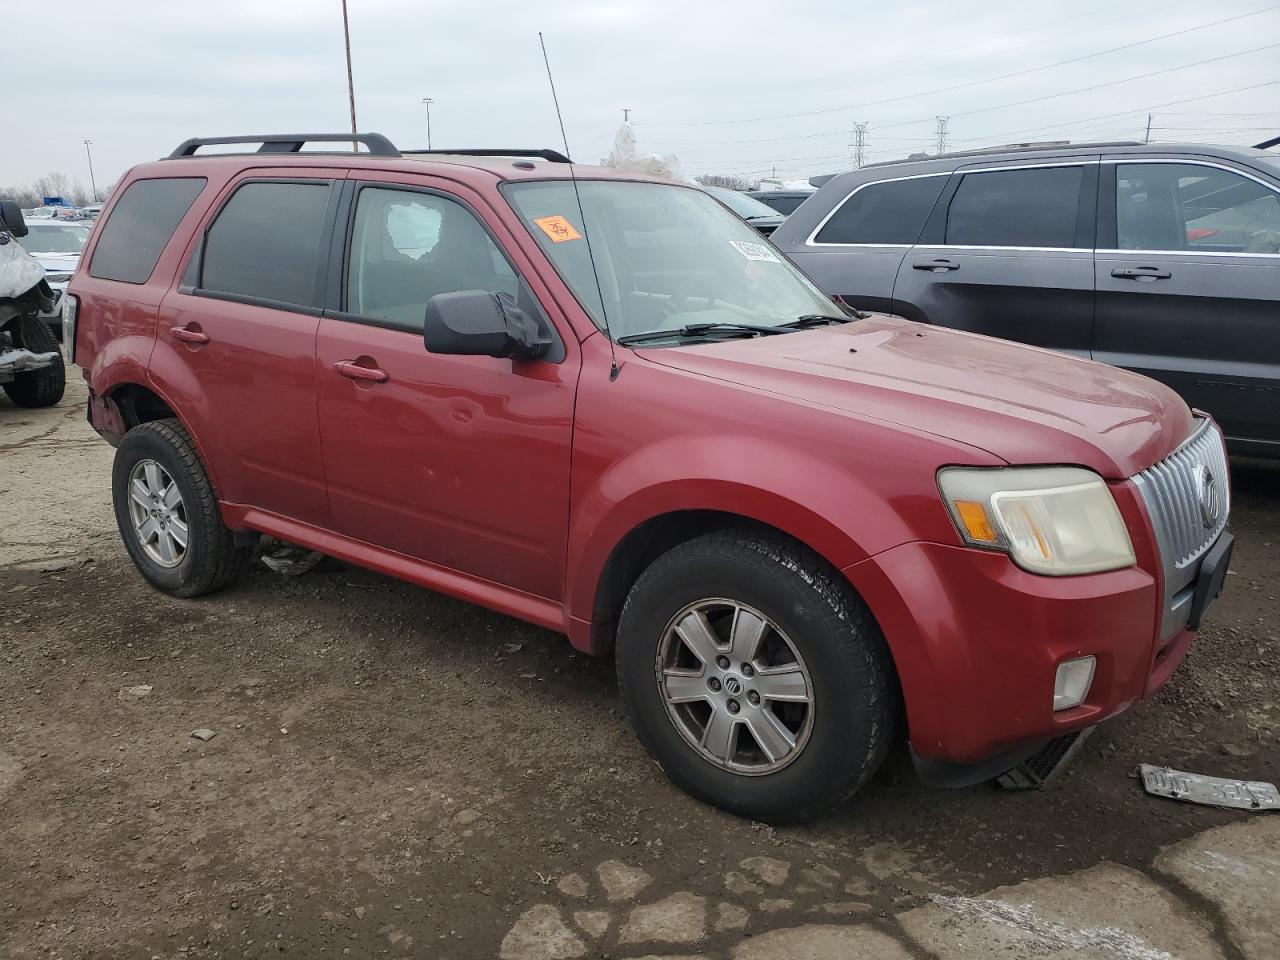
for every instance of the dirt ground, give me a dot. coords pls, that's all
(397, 773)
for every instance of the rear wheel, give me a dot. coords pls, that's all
(43, 387)
(168, 515)
(756, 676)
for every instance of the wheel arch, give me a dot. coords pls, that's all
(597, 593)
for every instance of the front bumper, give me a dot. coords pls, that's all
(977, 641)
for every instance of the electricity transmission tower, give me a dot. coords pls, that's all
(942, 134)
(859, 145)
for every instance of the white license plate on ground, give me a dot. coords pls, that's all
(1215, 791)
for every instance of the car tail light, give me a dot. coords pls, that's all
(70, 311)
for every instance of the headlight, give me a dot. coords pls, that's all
(1051, 520)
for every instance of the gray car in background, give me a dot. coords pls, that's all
(1159, 258)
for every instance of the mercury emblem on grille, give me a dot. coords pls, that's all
(1209, 495)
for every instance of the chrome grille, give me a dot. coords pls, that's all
(1188, 498)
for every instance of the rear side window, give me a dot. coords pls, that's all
(784, 205)
(889, 212)
(1016, 208)
(264, 242)
(140, 226)
(1183, 206)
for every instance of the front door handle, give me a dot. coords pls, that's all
(354, 371)
(1140, 273)
(937, 265)
(187, 335)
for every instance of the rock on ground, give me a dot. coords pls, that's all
(681, 918)
(1238, 869)
(1107, 912)
(817, 941)
(540, 934)
(620, 881)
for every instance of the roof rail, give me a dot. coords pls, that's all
(379, 146)
(1014, 148)
(1267, 144)
(551, 156)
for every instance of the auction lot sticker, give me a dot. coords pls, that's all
(755, 251)
(558, 229)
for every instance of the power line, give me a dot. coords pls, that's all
(975, 83)
(1123, 113)
(1083, 124)
(1096, 86)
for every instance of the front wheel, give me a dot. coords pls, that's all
(755, 676)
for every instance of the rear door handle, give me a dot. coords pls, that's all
(354, 371)
(937, 265)
(1140, 273)
(186, 335)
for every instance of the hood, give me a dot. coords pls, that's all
(1022, 404)
(58, 262)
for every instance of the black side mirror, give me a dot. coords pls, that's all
(484, 324)
(11, 215)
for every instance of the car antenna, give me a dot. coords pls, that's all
(577, 194)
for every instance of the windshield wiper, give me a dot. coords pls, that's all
(702, 329)
(807, 320)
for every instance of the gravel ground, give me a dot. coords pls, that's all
(396, 773)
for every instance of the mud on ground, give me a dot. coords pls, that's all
(397, 773)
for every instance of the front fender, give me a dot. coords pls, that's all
(808, 497)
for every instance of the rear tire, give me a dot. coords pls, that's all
(816, 631)
(43, 387)
(168, 514)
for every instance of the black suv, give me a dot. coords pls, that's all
(1160, 258)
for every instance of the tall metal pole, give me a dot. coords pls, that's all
(351, 87)
(859, 144)
(92, 182)
(1147, 138)
(427, 102)
(942, 134)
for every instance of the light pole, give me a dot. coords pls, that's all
(93, 183)
(427, 102)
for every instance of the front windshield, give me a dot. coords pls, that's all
(66, 238)
(748, 208)
(666, 257)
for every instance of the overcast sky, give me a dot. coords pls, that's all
(729, 86)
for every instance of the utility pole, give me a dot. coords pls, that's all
(626, 114)
(942, 134)
(1147, 138)
(427, 102)
(859, 145)
(92, 182)
(351, 86)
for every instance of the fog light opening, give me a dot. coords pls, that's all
(1072, 682)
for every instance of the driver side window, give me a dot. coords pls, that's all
(1182, 206)
(406, 247)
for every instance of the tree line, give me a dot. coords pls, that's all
(53, 185)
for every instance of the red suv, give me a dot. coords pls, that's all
(604, 406)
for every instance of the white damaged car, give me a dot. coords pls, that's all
(32, 372)
(57, 245)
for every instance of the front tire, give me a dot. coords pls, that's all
(755, 676)
(43, 387)
(168, 514)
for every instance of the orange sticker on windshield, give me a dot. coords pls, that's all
(558, 229)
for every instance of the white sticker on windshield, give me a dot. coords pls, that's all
(755, 251)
